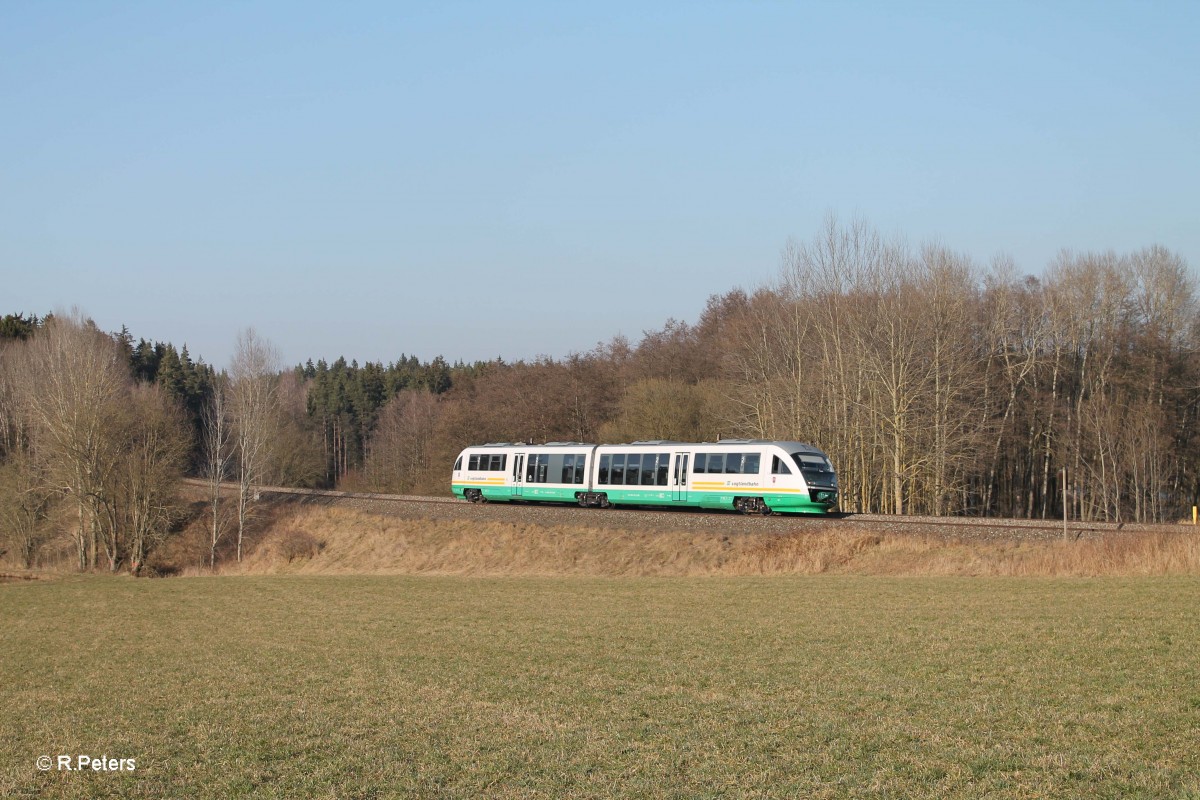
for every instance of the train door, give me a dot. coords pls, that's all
(518, 474)
(679, 481)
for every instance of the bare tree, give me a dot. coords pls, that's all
(1092, 294)
(73, 381)
(25, 500)
(950, 293)
(658, 408)
(833, 284)
(215, 430)
(760, 348)
(25, 489)
(1014, 337)
(156, 451)
(253, 406)
(296, 453)
(893, 340)
(13, 433)
(400, 453)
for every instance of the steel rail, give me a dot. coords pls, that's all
(995, 523)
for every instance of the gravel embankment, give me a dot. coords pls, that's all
(721, 523)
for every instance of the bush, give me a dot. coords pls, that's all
(298, 544)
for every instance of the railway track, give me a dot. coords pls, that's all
(649, 520)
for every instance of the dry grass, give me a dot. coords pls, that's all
(338, 541)
(1118, 554)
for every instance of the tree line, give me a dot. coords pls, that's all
(96, 432)
(936, 385)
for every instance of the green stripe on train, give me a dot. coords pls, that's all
(527, 492)
(793, 502)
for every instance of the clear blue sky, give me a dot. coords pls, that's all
(516, 179)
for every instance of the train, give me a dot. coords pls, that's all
(753, 476)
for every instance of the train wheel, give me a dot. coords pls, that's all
(752, 505)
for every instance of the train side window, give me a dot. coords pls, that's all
(649, 461)
(580, 467)
(664, 459)
(568, 469)
(716, 462)
(779, 466)
(617, 476)
(498, 463)
(633, 468)
(751, 463)
(603, 476)
(733, 463)
(473, 462)
(699, 464)
(539, 467)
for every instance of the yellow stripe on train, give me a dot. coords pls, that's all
(720, 487)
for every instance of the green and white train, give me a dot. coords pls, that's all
(754, 476)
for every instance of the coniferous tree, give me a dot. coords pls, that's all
(18, 326)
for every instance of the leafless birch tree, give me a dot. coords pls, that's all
(215, 430)
(253, 407)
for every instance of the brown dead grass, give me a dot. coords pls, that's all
(340, 541)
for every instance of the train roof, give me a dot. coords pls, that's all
(794, 447)
(786, 445)
(527, 444)
(790, 446)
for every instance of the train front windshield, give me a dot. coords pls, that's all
(817, 470)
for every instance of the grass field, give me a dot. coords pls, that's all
(386, 686)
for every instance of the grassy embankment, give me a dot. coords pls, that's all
(380, 686)
(341, 541)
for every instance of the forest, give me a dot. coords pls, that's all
(937, 385)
